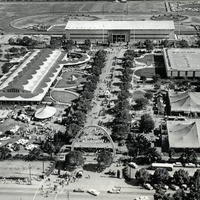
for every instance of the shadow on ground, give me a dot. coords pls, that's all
(90, 167)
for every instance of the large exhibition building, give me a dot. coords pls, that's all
(182, 62)
(30, 80)
(119, 31)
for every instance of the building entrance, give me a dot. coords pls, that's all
(119, 38)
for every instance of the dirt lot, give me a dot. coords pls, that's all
(18, 168)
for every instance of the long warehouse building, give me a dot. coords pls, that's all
(119, 31)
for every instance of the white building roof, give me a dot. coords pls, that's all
(182, 59)
(120, 25)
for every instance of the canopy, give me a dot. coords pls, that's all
(45, 112)
(184, 101)
(184, 134)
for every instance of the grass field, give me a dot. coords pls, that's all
(63, 96)
(32, 8)
(66, 77)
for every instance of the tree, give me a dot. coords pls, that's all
(6, 67)
(130, 55)
(180, 195)
(141, 103)
(191, 156)
(4, 153)
(196, 179)
(158, 195)
(183, 44)
(137, 145)
(127, 64)
(156, 78)
(87, 95)
(96, 69)
(165, 43)
(181, 177)
(87, 44)
(124, 94)
(161, 176)
(93, 78)
(148, 95)
(153, 155)
(120, 131)
(149, 44)
(104, 159)
(75, 158)
(72, 130)
(157, 86)
(84, 105)
(13, 50)
(142, 176)
(122, 117)
(11, 41)
(33, 154)
(143, 78)
(79, 117)
(146, 123)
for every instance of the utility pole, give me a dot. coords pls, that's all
(43, 166)
(67, 195)
(30, 174)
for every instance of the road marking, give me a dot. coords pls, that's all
(82, 7)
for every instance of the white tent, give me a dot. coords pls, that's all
(45, 112)
(184, 134)
(185, 101)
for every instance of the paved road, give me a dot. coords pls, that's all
(21, 193)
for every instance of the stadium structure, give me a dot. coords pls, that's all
(182, 62)
(119, 31)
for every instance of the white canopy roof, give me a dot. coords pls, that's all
(120, 25)
(185, 101)
(184, 134)
(45, 112)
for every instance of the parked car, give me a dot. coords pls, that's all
(174, 187)
(184, 186)
(141, 198)
(93, 192)
(78, 190)
(164, 187)
(115, 190)
(148, 186)
(133, 165)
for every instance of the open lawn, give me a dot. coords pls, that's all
(148, 59)
(63, 96)
(32, 8)
(67, 82)
(138, 94)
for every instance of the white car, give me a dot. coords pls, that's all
(133, 165)
(5, 138)
(148, 186)
(93, 192)
(141, 198)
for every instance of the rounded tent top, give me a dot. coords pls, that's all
(45, 112)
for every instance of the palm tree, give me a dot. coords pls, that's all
(153, 155)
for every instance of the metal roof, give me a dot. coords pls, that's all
(120, 25)
(186, 59)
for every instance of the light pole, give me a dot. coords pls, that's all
(30, 173)
(103, 34)
(67, 195)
